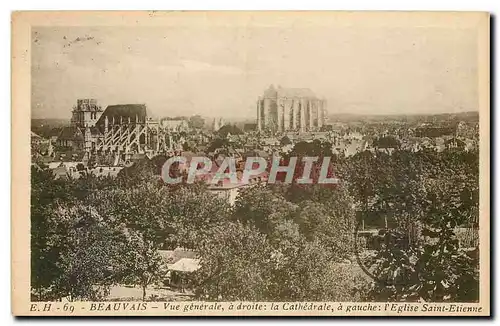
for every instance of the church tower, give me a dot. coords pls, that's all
(85, 113)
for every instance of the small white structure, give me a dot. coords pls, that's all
(185, 265)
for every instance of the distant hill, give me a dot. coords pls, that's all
(471, 116)
(49, 122)
(43, 127)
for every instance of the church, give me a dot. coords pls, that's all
(290, 109)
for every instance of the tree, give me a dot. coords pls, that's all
(304, 272)
(306, 240)
(141, 171)
(239, 263)
(329, 227)
(315, 148)
(219, 143)
(234, 264)
(46, 194)
(60, 220)
(193, 210)
(143, 264)
(142, 208)
(229, 129)
(80, 167)
(386, 142)
(260, 207)
(87, 248)
(196, 122)
(434, 267)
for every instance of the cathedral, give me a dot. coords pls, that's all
(290, 109)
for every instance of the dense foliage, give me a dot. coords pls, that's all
(279, 242)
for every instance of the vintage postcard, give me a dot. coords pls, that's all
(250, 163)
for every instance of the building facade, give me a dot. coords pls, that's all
(86, 113)
(82, 134)
(177, 125)
(217, 124)
(290, 109)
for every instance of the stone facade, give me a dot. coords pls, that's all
(290, 109)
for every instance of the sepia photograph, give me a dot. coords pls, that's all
(251, 163)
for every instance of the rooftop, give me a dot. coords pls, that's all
(122, 112)
(185, 265)
(70, 133)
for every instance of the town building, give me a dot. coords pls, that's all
(217, 124)
(86, 113)
(290, 109)
(82, 133)
(175, 124)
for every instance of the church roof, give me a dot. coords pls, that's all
(124, 111)
(70, 133)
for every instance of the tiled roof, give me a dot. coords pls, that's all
(185, 265)
(95, 131)
(55, 131)
(123, 111)
(70, 133)
(173, 256)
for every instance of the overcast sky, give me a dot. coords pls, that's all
(220, 71)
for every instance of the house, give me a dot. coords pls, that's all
(185, 265)
(180, 264)
(72, 138)
(172, 256)
(54, 133)
(178, 274)
(66, 170)
(36, 139)
(249, 127)
(106, 171)
(176, 125)
(229, 191)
